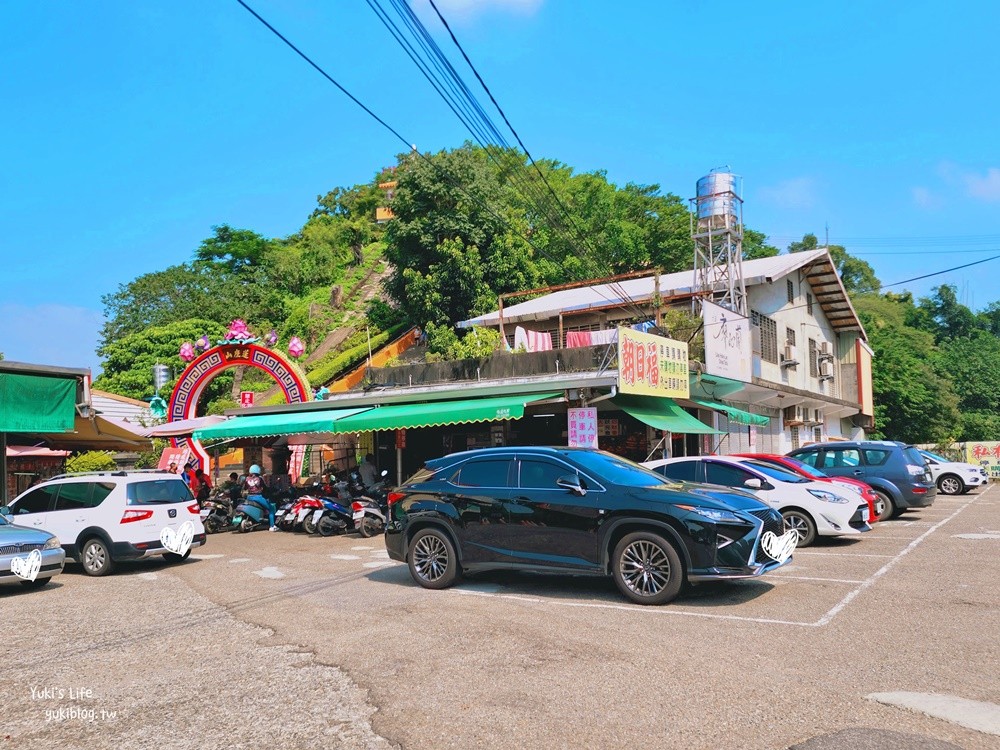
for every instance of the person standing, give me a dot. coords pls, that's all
(204, 485)
(367, 471)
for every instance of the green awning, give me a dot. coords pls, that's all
(267, 425)
(735, 415)
(36, 403)
(436, 413)
(663, 414)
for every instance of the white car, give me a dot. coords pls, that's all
(810, 508)
(104, 517)
(954, 477)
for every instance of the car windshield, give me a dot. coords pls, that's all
(617, 470)
(810, 470)
(775, 473)
(936, 457)
(159, 492)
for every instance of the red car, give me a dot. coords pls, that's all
(875, 506)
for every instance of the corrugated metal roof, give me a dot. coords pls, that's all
(757, 271)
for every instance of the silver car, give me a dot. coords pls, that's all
(18, 561)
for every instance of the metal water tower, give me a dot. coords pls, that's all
(717, 231)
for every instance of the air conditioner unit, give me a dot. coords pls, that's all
(795, 415)
(825, 370)
(817, 417)
(824, 351)
(790, 357)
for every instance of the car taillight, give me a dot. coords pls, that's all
(136, 515)
(395, 497)
(919, 490)
(194, 508)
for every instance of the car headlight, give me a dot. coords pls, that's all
(828, 497)
(719, 516)
(851, 487)
(52, 543)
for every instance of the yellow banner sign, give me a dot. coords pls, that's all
(652, 365)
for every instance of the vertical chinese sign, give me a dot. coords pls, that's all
(582, 427)
(651, 365)
(246, 399)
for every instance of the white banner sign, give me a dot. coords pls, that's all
(727, 343)
(582, 427)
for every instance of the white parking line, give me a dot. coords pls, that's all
(868, 582)
(838, 554)
(779, 574)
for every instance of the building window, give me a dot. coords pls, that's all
(818, 434)
(809, 304)
(791, 290)
(768, 336)
(795, 437)
(813, 360)
(790, 337)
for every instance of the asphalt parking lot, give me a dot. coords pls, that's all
(287, 640)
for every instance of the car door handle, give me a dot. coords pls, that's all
(858, 472)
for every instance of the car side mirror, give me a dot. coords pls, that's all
(754, 484)
(4, 510)
(571, 482)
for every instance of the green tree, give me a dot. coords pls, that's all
(914, 402)
(944, 316)
(857, 275)
(90, 461)
(755, 245)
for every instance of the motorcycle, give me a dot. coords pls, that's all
(371, 510)
(335, 518)
(251, 515)
(216, 513)
(299, 513)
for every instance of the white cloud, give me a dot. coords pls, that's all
(983, 187)
(927, 199)
(469, 8)
(58, 335)
(798, 192)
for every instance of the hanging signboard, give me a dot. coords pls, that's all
(727, 343)
(246, 399)
(985, 453)
(652, 365)
(582, 427)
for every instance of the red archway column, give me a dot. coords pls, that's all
(204, 369)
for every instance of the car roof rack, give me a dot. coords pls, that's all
(115, 473)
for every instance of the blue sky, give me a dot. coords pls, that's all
(130, 129)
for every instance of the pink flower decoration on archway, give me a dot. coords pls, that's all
(295, 347)
(203, 343)
(272, 338)
(187, 351)
(238, 330)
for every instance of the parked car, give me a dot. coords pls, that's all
(574, 510)
(105, 517)
(876, 506)
(896, 471)
(809, 508)
(954, 477)
(20, 542)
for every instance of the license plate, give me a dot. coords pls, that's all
(316, 515)
(866, 515)
(359, 515)
(303, 513)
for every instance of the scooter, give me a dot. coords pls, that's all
(299, 514)
(251, 515)
(334, 519)
(371, 510)
(216, 513)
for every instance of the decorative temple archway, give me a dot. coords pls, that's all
(227, 355)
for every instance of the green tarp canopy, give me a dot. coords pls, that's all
(267, 425)
(436, 413)
(663, 414)
(36, 403)
(735, 415)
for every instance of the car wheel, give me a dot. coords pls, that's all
(309, 525)
(36, 584)
(647, 568)
(173, 557)
(803, 526)
(883, 506)
(369, 527)
(96, 558)
(949, 484)
(432, 559)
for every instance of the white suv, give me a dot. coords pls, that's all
(954, 477)
(104, 517)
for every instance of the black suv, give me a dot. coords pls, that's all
(896, 471)
(574, 510)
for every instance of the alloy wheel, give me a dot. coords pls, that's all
(951, 485)
(430, 558)
(95, 557)
(644, 567)
(797, 524)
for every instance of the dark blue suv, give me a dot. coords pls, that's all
(896, 471)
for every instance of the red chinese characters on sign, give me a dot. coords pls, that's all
(246, 399)
(652, 365)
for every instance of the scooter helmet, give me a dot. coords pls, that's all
(255, 469)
